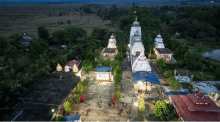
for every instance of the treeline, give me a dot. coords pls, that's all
(15, 79)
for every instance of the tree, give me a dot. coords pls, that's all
(80, 87)
(168, 74)
(150, 56)
(117, 95)
(68, 106)
(117, 78)
(141, 105)
(117, 71)
(69, 22)
(38, 46)
(119, 57)
(174, 84)
(163, 110)
(43, 33)
(160, 63)
(87, 65)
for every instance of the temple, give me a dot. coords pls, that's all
(160, 51)
(196, 107)
(111, 49)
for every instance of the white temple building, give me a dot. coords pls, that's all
(160, 51)
(111, 50)
(112, 42)
(141, 64)
(138, 60)
(159, 42)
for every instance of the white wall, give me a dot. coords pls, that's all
(102, 76)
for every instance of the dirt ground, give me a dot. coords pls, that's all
(20, 19)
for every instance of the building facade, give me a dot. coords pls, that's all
(103, 73)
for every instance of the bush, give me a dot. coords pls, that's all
(117, 71)
(119, 57)
(68, 107)
(174, 84)
(59, 117)
(76, 98)
(117, 95)
(117, 78)
(160, 63)
(150, 56)
(80, 87)
(141, 104)
(168, 74)
(85, 82)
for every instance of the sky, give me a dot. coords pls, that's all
(99, 0)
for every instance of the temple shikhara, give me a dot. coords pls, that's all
(111, 50)
(196, 107)
(160, 50)
(141, 69)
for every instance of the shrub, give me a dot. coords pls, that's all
(117, 71)
(59, 117)
(141, 104)
(80, 87)
(68, 106)
(150, 56)
(117, 78)
(160, 63)
(174, 84)
(168, 74)
(117, 95)
(76, 98)
(85, 82)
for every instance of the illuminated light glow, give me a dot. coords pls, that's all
(52, 110)
(136, 104)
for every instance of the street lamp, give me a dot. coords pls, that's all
(136, 104)
(52, 110)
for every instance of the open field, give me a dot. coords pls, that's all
(20, 18)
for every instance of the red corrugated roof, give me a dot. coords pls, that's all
(181, 104)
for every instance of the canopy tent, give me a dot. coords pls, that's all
(72, 118)
(145, 76)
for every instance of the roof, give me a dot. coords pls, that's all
(109, 50)
(44, 96)
(205, 87)
(181, 101)
(71, 63)
(103, 69)
(163, 50)
(141, 64)
(72, 118)
(145, 76)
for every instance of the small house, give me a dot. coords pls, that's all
(103, 73)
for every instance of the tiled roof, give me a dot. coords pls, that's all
(109, 50)
(182, 102)
(163, 50)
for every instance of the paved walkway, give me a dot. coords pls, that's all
(93, 93)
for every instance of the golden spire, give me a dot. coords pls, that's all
(136, 19)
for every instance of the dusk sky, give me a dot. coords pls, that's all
(99, 0)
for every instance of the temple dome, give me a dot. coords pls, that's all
(112, 36)
(159, 36)
(136, 23)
